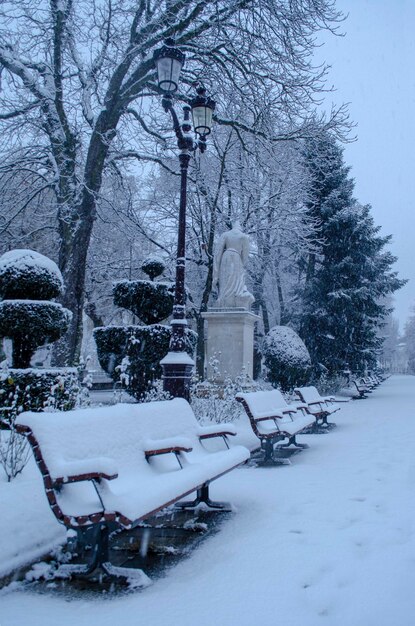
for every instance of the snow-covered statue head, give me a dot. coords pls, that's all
(231, 256)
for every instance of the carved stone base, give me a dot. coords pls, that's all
(230, 342)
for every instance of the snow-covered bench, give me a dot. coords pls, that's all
(319, 406)
(111, 467)
(273, 420)
(370, 381)
(361, 388)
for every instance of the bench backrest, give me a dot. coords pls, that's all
(113, 434)
(264, 403)
(309, 394)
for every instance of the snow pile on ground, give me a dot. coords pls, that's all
(328, 540)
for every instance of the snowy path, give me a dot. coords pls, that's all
(329, 540)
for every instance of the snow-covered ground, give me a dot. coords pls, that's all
(328, 540)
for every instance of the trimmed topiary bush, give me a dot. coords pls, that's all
(286, 358)
(31, 324)
(153, 266)
(27, 281)
(151, 302)
(132, 354)
(27, 274)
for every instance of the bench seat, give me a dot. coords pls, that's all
(133, 496)
(285, 425)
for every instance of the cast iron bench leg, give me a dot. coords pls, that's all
(100, 563)
(292, 441)
(202, 497)
(269, 457)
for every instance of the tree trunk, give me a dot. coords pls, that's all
(67, 350)
(22, 352)
(75, 229)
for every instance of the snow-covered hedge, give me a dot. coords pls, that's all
(132, 354)
(151, 302)
(31, 324)
(37, 390)
(153, 266)
(286, 358)
(31, 390)
(29, 275)
(28, 280)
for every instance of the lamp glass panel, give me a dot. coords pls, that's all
(202, 119)
(168, 70)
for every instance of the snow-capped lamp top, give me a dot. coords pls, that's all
(26, 275)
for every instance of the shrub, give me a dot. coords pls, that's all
(151, 302)
(28, 280)
(27, 274)
(153, 266)
(286, 358)
(132, 354)
(31, 324)
(37, 390)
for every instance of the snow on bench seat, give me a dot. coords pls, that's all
(290, 426)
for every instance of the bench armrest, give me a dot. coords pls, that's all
(299, 405)
(268, 417)
(208, 432)
(84, 469)
(155, 447)
(168, 450)
(76, 478)
(290, 410)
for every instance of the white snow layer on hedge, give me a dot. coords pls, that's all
(21, 259)
(284, 344)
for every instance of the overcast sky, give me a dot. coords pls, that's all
(373, 68)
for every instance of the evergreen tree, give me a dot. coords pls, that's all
(409, 339)
(343, 304)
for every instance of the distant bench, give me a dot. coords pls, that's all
(319, 406)
(111, 467)
(273, 420)
(361, 388)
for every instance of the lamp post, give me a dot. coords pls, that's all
(177, 364)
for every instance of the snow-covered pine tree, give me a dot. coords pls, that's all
(409, 339)
(342, 298)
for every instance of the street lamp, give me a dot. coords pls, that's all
(177, 364)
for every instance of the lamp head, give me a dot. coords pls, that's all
(169, 61)
(202, 112)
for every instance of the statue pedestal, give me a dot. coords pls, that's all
(230, 341)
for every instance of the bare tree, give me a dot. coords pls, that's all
(78, 85)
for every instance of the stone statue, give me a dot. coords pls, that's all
(228, 269)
